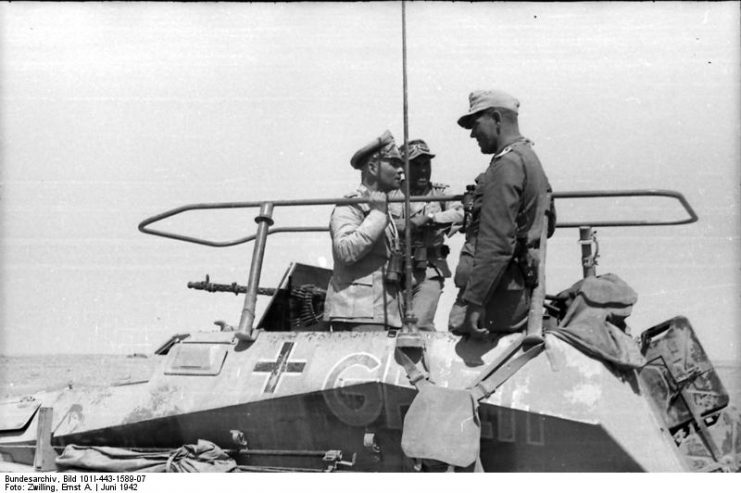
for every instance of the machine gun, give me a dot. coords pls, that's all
(235, 288)
(305, 303)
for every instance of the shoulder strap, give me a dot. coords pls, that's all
(417, 377)
(362, 206)
(488, 385)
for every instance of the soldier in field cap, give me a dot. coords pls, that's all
(484, 100)
(429, 222)
(363, 239)
(494, 274)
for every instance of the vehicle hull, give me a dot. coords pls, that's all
(562, 411)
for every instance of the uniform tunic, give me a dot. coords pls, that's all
(361, 242)
(428, 281)
(506, 211)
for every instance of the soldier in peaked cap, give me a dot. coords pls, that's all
(429, 221)
(363, 239)
(494, 273)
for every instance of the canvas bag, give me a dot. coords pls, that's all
(442, 424)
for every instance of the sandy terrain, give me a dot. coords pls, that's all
(22, 375)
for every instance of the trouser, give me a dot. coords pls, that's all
(506, 309)
(425, 297)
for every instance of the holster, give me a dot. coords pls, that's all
(528, 260)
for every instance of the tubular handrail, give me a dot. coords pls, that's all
(144, 225)
(692, 216)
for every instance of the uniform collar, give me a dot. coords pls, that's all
(508, 147)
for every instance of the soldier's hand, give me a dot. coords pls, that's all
(419, 220)
(378, 201)
(457, 318)
(475, 320)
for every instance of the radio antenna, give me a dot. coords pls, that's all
(409, 336)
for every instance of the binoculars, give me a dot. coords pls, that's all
(395, 268)
(419, 259)
(467, 206)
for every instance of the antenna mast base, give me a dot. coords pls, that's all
(409, 336)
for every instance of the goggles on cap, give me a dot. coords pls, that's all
(416, 148)
(388, 153)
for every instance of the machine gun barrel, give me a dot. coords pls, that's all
(235, 288)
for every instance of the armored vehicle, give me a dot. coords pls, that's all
(284, 392)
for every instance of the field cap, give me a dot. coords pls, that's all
(383, 147)
(417, 147)
(483, 100)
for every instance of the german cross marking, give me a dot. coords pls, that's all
(279, 367)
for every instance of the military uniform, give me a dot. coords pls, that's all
(430, 268)
(361, 243)
(506, 222)
(358, 297)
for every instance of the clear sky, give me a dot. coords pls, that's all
(113, 112)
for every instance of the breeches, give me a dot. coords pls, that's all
(425, 296)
